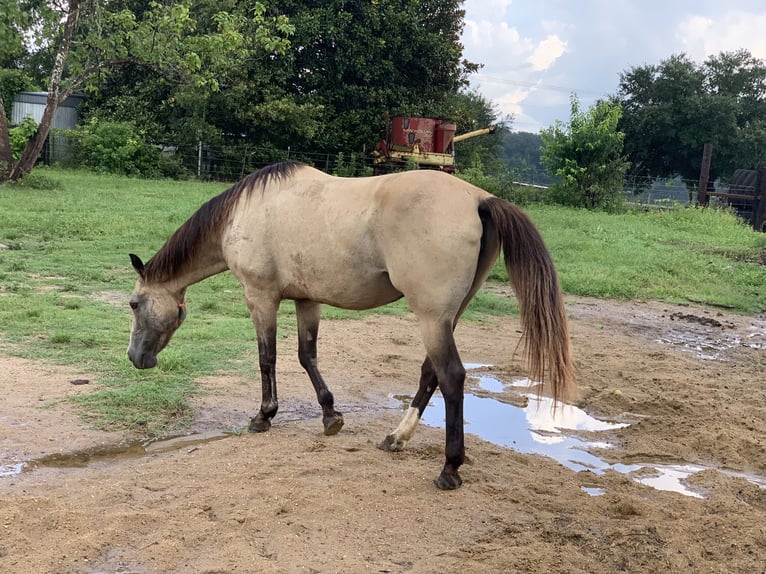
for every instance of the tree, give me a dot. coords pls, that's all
(587, 156)
(471, 111)
(672, 109)
(14, 16)
(350, 63)
(522, 151)
(158, 37)
(360, 60)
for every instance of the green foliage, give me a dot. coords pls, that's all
(522, 152)
(587, 157)
(119, 148)
(348, 64)
(77, 49)
(471, 111)
(671, 110)
(19, 135)
(14, 16)
(500, 183)
(38, 179)
(11, 83)
(355, 166)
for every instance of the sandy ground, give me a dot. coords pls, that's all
(688, 381)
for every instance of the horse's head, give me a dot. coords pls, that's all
(157, 313)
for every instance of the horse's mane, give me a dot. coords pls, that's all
(207, 223)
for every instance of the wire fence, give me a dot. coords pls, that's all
(232, 163)
(229, 163)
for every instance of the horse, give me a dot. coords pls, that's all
(289, 231)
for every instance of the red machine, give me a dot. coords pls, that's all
(429, 142)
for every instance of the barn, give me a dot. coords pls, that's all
(32, 104)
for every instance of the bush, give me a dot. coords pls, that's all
(586, 156)
(354, 166)
(119, 148)
(20, 135)
(500, 184)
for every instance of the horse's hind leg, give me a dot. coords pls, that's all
(308, 314)
(450, 373)
(443, 365)
(397, 440)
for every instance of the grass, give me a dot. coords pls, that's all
(66, 277)
(678, 255)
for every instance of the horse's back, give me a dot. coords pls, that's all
(359, 242)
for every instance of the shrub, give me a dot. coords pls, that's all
(587, 157)
(354, 166)
(500, 184)
(20, 135)
(119, 147)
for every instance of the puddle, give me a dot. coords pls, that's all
(662, 477)
(532, 428)
(11, 469)
(104, 454)
(593, 491)
(111, 453)
(712, 344)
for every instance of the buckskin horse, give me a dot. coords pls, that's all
(289, 231)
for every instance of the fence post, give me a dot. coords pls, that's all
(199, 159)
(707, 156)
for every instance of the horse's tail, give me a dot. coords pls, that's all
(547, 349)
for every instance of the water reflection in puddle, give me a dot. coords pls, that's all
(10, 469)
(533, 429)
(110, 453)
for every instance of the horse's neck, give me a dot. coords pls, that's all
(205, 266)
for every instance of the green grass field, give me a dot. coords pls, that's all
(66, 277)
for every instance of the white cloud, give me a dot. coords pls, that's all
(510, 102)
(486, 9)
(547, 52)
(535, 54)
(484, 40)
(702, 36)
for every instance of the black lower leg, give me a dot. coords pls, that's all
(267, 358)
(308, 329)
(395, 441)
(426, 387)
(452, 391)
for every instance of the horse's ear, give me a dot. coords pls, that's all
(138, 265)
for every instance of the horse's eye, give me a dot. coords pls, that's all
(134, 305)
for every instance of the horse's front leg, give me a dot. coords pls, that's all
(308, 314)
(264, 317)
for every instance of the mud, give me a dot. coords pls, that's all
(293, 500)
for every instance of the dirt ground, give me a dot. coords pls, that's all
(689, 381)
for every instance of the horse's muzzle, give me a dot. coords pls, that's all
(143, 360)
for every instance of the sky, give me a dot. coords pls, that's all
(537, 53)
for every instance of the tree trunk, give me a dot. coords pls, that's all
(6, 155)
(35, 144)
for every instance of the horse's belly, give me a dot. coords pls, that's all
(343, 288)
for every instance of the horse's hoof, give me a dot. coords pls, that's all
(448, 480)
(391, 444)
(333, 424)
(259, 424)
